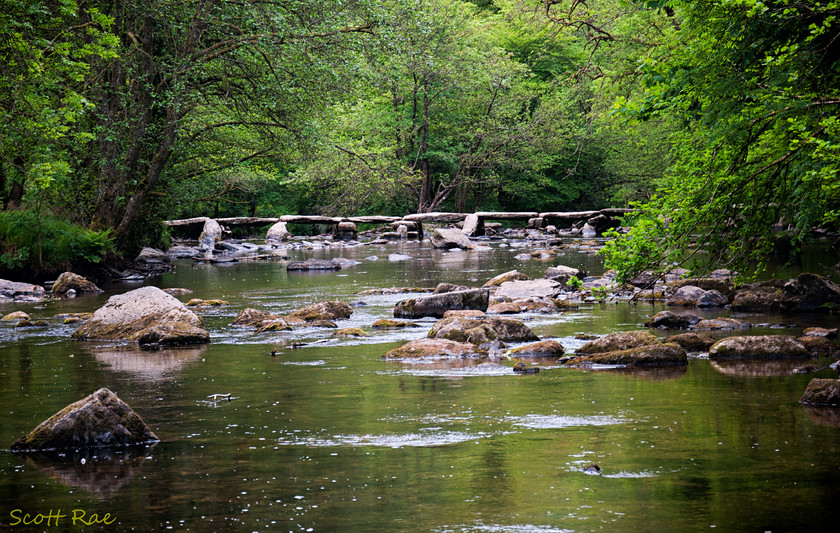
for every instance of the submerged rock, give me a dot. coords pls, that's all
(99, 420)
(438, 304)
(759, 347)
(822, 391)
(434, 349)
(146, 315)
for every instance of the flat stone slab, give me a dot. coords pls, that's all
(99, 420)
(523, 289)
(511, 215)
(437, 217)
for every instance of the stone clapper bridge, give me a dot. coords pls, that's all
(410, 226)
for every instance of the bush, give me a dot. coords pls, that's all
(45, 244)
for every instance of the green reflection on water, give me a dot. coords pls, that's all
(329, 437)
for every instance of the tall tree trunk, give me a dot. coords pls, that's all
(427, 187)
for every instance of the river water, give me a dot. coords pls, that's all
(329, 437)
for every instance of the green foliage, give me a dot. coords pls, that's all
(574, 283)
(756, 87)
(48, 245)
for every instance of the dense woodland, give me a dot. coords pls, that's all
(718, 119)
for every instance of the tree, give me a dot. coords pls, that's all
(194, 75)
(447, 112)
(756, 88)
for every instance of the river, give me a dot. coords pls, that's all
(329, 437)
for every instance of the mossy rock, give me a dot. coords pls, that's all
(693, 342)
(386, 323)
(479, 331)
(250, 317)
(618, 341)
(434, 349)
(327, 310)
(350, 332)
(198, 302)
(668, 354)
(31, 324)
(99, 420)
(822, 391)
(277, 324)
(69, 280)
(761, 347)
(538, 349)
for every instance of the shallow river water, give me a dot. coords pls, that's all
(329, 437)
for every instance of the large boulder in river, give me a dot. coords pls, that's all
(822, 391)
(808, 292)
(438, 304)
(70, 281)
(450, 238)
(97, 421)
(763, 347)
(521, 290)
(651, 355)
(434, 349)
(479, 330)
(618, 341)
(146, 315)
